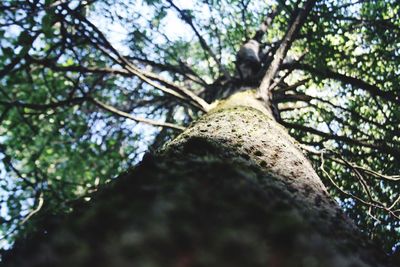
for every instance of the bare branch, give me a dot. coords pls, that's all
(327, 73)
(52, 105)
(134, 118)
(294, 28)
(34, 211)
(175, 90)
(377, 145)
(203, 42)
(367, 203)
(265, 24)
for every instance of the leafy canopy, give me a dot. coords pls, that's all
(87, 86)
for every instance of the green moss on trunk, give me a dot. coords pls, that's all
(232, 190)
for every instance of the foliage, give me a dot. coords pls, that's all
(59, 60)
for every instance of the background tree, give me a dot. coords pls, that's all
(88, 86)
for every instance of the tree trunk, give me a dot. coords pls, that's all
(232, 190)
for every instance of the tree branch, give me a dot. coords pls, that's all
(17, 59)
(367, 203)
(175, 90)
(134, 118)
(52, 105)
(203, 42)
(327, 73)
(379, 146)
(284, 47)
(265, 24)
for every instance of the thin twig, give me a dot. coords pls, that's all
(36, 210)
(364, 169)
(367, 203)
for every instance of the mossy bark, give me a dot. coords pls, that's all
(232, 190)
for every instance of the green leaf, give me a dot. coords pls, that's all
(24, 38)
(8, 51)
(47, 24)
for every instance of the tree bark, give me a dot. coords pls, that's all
(232, 190)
